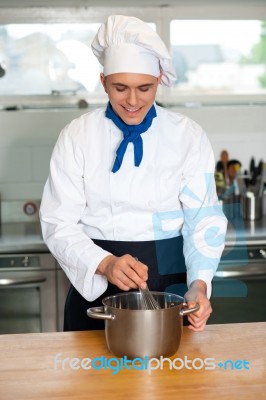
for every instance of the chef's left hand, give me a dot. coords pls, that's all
(197, 293)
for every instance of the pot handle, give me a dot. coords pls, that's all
(98, 313)
(188, 310)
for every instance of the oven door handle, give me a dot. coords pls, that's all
(244, 273)
(14, 282)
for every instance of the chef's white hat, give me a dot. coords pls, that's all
(127, 44)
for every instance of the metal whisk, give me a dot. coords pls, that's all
(147, 300)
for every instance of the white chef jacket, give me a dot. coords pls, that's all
(171, 193)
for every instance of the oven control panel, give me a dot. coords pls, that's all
(244, 254)
(257, 254)
(23, 261)
(27, 261)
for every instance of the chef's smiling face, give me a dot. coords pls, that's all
(131, 95)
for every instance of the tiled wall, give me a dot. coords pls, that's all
(239, 130)
(26, 142)
(27, 139)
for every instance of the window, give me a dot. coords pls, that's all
(219, 57)
(42, 59)
(213, 58)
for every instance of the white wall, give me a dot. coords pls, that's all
(239, 129)
(27, 139)
(26, 142)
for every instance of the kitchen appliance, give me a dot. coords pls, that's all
(133, 332)
(239, 286)
(33, 290)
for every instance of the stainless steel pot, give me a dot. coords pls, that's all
(133, 332)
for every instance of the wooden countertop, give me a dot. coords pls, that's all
(27, 367)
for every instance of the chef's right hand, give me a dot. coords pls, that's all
(125, 272)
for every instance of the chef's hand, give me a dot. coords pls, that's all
(125, 272)
(197, 293)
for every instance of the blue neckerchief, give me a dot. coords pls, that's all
(132, 134)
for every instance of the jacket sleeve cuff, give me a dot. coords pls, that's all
(205, 275)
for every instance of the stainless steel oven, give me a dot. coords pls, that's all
(239, 286)
(33, 289)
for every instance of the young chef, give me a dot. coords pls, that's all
(130, 198)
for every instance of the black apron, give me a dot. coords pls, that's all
(166, 273)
